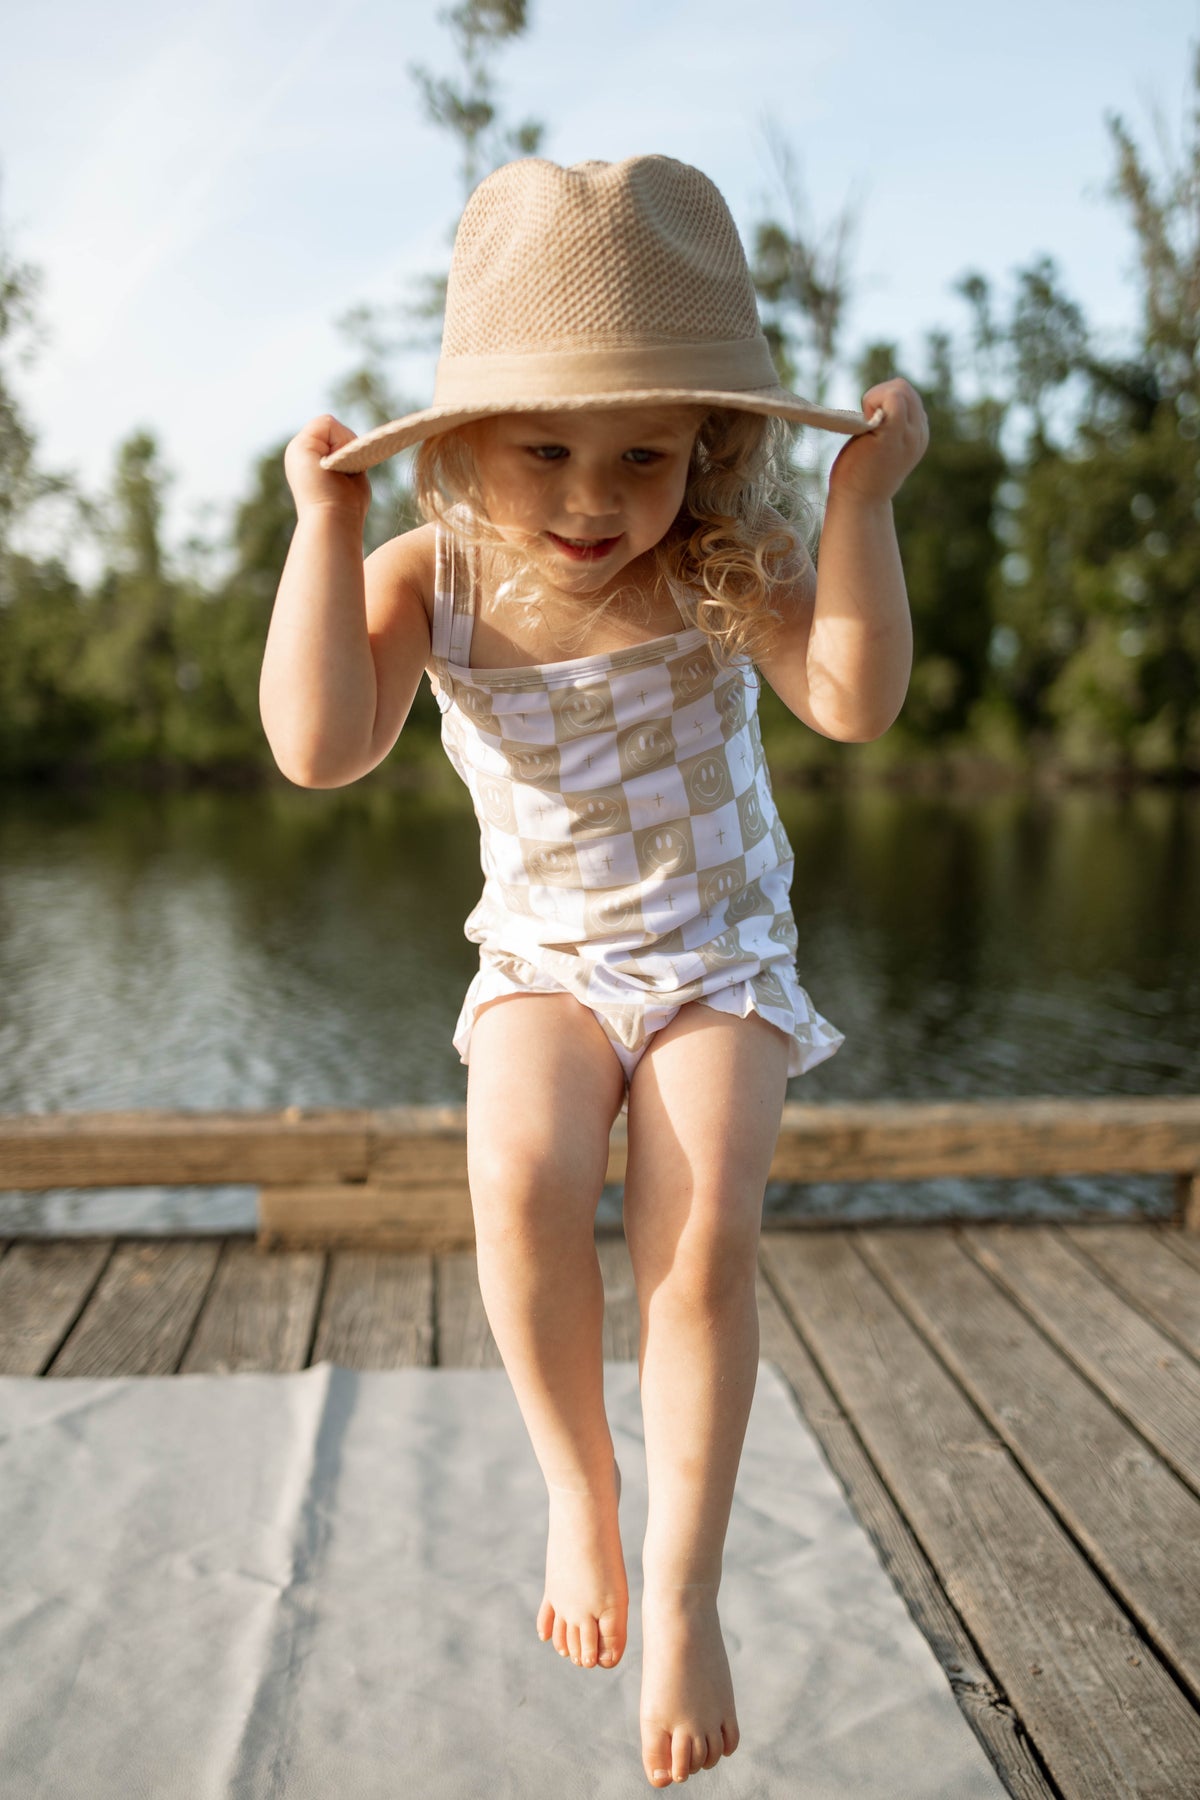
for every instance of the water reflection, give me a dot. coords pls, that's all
(245, 950)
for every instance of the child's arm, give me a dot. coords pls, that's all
(345, 649)
(842, 657)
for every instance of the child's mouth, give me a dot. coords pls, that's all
(583, 549)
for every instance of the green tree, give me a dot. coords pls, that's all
(366, 398)
(1100, 588)
(128, 664)
(45, 716)
(20, 283)
(221, 635)
(802, 278)
(465, 105)
(944, 515)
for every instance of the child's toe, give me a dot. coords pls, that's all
(573, 1645)
(682, 1747)
(612, 1638)
(545, 1620)
(589, 1642)
(560, 1635)
(656, 1755)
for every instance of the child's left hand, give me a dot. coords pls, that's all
(874, 464)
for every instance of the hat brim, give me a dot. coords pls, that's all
(387, 440)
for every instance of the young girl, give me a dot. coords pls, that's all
(601, 570)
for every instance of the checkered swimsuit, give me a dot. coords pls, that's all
(631, 848)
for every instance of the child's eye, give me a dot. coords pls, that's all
(547, 452)
(643, 456)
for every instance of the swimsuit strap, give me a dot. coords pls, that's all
(453, 598)
(686, 599)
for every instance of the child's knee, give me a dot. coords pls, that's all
(530, 1188)
(711, 1258)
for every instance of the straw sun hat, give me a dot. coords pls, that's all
(599, 285)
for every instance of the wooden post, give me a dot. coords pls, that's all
(1187, 1200)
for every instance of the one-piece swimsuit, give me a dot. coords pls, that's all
(632, 853)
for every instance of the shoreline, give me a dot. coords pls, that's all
(953, 773)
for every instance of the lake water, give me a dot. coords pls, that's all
(205, 950)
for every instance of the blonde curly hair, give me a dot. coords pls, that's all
(739, 534)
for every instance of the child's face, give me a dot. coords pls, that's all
(618, 477)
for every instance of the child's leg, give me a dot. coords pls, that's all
(704, 1111)
(543, 1089)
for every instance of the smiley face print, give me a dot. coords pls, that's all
(495, 802)
(731, 703)
(691, 675)
(725, 948)
(551, 865)
(748, 900)
(612, 912)
(783, 931)
(719, 886)
(768, 988)
(582, 711)
(599, 813)
(707, 782)
(665, 850)
(642, 749)
(750, 818)
(537, 765)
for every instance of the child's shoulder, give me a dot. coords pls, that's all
(407, 561)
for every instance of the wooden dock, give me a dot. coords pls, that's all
(1012, 1411)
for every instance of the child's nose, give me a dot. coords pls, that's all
(592, 494)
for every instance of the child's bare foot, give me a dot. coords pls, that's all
(586, 1603)
(687, 1712)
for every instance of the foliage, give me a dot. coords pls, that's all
(1049, 535)
(469, 110)
(805, 284)
(465, 106)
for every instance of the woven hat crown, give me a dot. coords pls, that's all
(596, 256)
(598, 285)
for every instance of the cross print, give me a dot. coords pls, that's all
(671, 902)
(658, 799)
(642, 695)
(721, 836)
(744, 753)
(608, 862)
(698, 726)
(589, 759)
(708, 915)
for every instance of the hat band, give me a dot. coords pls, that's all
(732, 365)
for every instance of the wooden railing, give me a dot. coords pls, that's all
(398, 1178)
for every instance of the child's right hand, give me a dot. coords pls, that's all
(313, 486)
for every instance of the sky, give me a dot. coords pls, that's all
(207, 189)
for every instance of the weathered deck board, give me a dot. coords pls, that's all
(142, 1311)
(985, 1707)
(43, 1288)
(464, 1337)
(1099, 1475)
(622, 1321)
(1185, 1245)
(376, 1312)
(1105, 1712)
(1137, 1367)
(259, 1312)
(1143, 1267)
